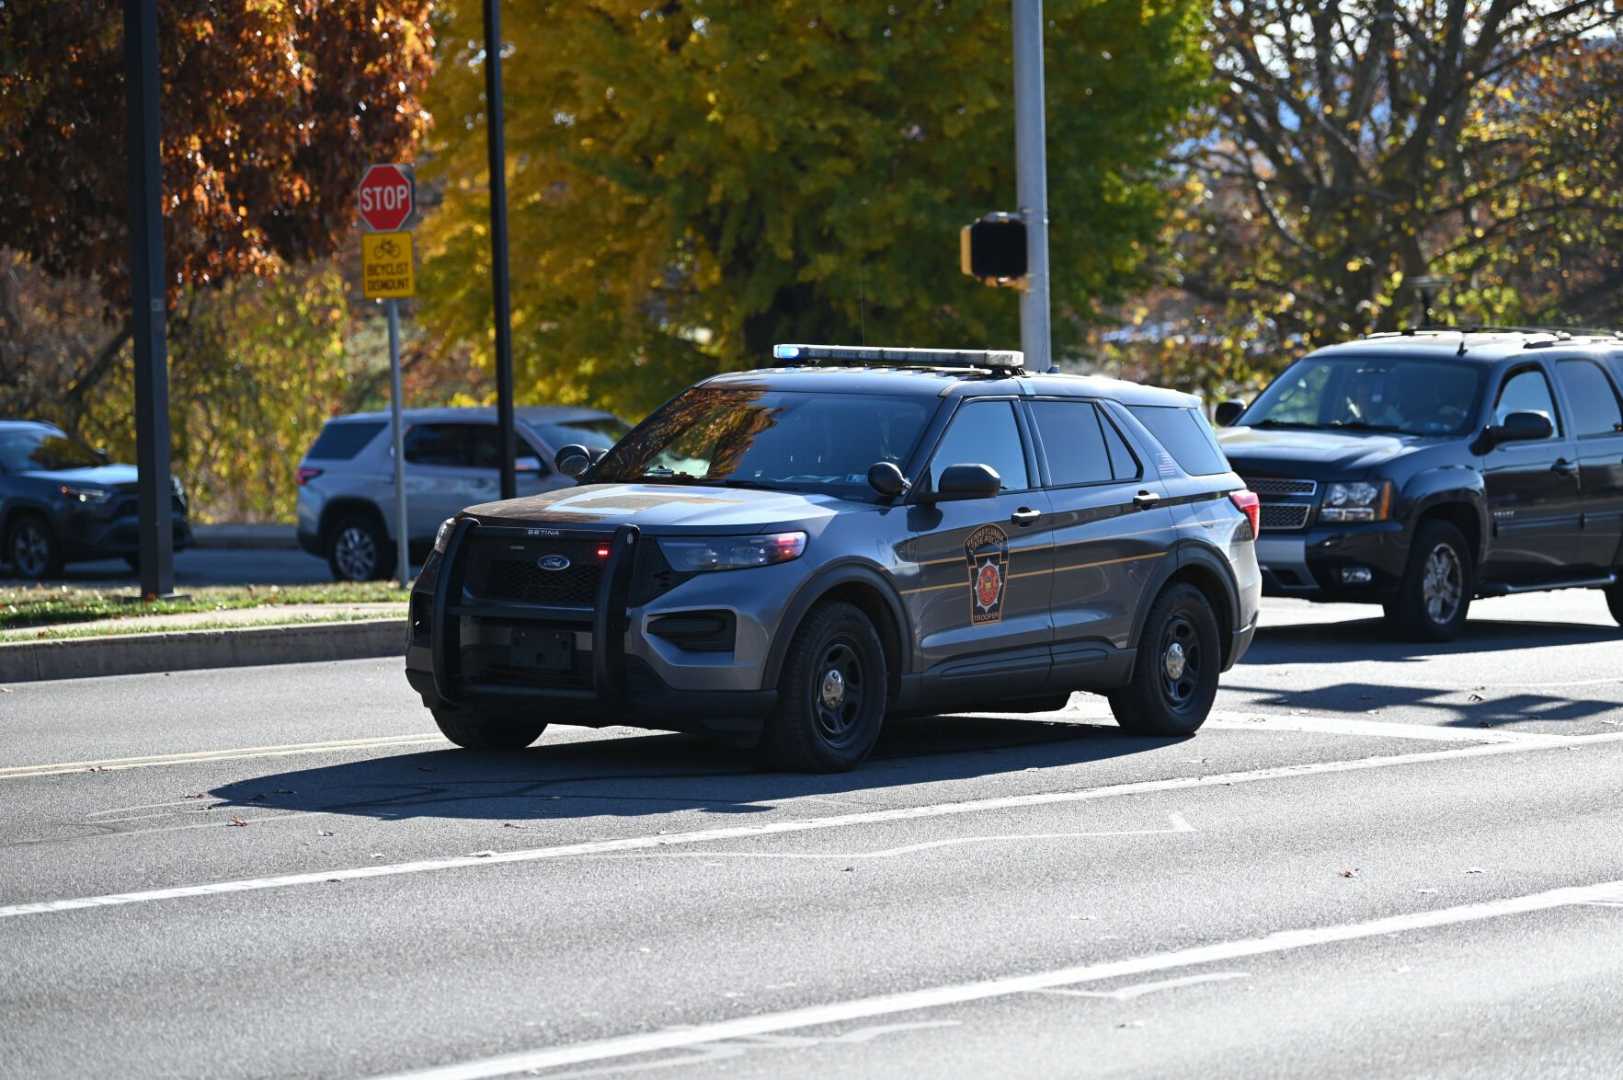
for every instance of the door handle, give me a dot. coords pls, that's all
(1565, 467)
(1146, 499)
(1025, 515)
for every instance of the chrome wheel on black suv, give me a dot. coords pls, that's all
(1435, 593)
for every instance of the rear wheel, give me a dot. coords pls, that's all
(33, 548)
(1614, 600)
(473, 731)
(1435, 594)
(831, 696)
(1175, 677)
(357, 550)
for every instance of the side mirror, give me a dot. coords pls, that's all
(968, 482)
(887, 479)
(573, 460)
(1228, 412)
(527, 464)
(1520, 427)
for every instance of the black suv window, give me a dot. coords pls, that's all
(1073, 442)
(1594, 403)
(342, 440)
(984, 433)
(1186, 436)
(1526, 391)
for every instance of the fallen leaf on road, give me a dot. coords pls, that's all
(510, 825)
(377, 854)
(1350, 873)
(323, 832)
(480, 854)
(1476, 870)
(1475, 698)
(236, 821)
(1131, 1024)
(1427, 892)
(199, 795)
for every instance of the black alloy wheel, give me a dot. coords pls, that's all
(32, 549)
(831, 696)
(1174, 678)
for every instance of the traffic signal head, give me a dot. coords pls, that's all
(993, 249)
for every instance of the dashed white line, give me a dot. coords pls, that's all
(936, 997)
(240, 754)
(794, 825)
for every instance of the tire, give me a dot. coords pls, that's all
(358, 550)
(473, 731)
(831, 696)
(32, 549)
(1175, 677)
(1435, 594)
(1614, 600)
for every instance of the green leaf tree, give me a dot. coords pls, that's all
(690, 182)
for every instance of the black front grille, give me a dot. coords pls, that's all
(1285, 515)
(525, 581)
(1272, 487)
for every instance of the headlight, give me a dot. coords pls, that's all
(1358, 501)
(443, 537)
(731, 552)
(85, 495)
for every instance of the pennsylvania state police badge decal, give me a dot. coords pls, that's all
(987, 551)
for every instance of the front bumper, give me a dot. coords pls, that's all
(1311, 563)
(481, 653)
(87, 535)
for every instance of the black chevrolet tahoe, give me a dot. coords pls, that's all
(1421, 469)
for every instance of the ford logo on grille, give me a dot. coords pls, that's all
(553, 562)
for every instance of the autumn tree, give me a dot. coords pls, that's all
(692, 181)
(1357, 145)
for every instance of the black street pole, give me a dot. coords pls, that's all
(498, 241)
(147, 309)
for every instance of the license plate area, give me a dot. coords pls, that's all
(522, 653)
(543, 650)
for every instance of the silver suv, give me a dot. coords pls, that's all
(453, 456)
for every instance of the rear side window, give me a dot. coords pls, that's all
(341, 440)
(1594, 403)
(1186, 436)
(1073, 442)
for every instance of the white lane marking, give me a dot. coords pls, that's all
(939, 996)
(1179, 825)
(1346, 725)
(114, 764)
(1138, 990)
(795, 825)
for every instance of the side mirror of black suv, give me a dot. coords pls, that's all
(573, 459)
(968, 482)
(1519, 427)
(1228, 412)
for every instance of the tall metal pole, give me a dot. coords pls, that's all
(147, 308)
(497, 143)
(1031, 160)
(402, 535)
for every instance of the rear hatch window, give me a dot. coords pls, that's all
(342, 440)
(1185, 435)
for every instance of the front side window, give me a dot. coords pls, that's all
(984, 433)
(1595, 409)
(1527, 391)
(1400, 394)
(790, 440)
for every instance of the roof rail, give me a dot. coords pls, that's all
(997, 361)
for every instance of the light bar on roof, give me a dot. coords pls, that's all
(994, 359)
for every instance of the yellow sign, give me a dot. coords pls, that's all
(386, 266)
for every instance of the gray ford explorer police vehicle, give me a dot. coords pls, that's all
(786, 556)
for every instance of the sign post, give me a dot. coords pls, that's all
(1031, 179)
(386, 200)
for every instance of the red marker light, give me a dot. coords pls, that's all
(602, 551)
(1247, 503)
(307, 474)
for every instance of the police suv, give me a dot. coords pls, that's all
(787, 556)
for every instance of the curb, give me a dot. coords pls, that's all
(187, 650)
(237, 537)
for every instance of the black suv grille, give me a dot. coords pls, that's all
(512, 579)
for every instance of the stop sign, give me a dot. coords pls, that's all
(386, 197)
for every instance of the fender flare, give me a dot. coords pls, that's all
(1429, 490)
(819, 585)
(1185, 553)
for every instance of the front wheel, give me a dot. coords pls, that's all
(1175, 676)
(831, 696)
(357, 550)
(1614, 600)
(473, 731)
(1435, 593)
(33, 549)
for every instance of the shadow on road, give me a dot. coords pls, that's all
(1371, 639)
(659, 773)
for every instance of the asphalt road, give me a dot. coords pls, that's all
(1375, 860)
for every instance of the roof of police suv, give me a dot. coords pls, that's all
(944, 382)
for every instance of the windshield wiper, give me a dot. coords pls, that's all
(1361, 425)
(1282, 424)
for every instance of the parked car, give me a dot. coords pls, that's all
(453, 459)
(1418, 470)
(62, 502)
(786, 556)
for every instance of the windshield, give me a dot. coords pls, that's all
(39, 450)
(774, 439)
(1393, 394)
(592, 434)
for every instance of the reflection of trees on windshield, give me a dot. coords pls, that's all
(1415, 397)
(29, 451)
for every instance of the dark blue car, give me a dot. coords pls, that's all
(62, 502)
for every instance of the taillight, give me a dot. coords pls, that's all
(1247, 503)
(307, 474)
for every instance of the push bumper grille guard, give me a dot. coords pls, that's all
(609, 620)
